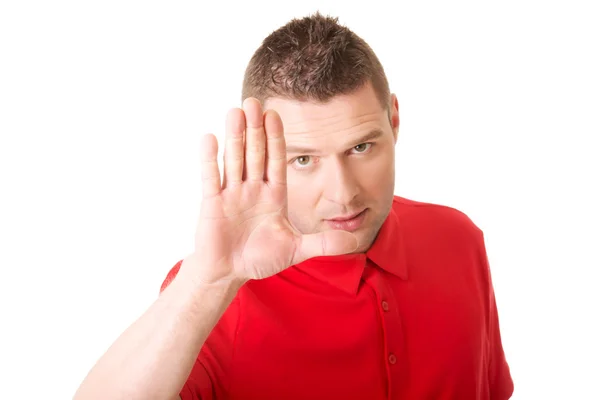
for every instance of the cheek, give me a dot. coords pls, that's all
(302, 203)
(301, 190)
(377, 178)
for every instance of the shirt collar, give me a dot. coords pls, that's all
(345, 271)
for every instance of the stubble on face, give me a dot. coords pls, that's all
(327, 128)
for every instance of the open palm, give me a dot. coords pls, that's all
(243, 231)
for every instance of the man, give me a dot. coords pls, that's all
(310, 279)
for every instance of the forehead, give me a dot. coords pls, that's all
(344, 115)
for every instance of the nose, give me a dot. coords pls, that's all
(341, 186)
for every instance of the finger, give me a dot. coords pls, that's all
(211, 178)
(276, 166)
(255, 140)
(233, 157)
(326, 243)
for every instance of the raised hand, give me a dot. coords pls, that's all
(243, 231)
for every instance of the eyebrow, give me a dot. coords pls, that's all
(372, 135)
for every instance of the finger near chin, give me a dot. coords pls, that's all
(327, 243)
(337, 242)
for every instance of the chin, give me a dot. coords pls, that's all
(366, 240)
(368, 234)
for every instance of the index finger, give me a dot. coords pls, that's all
(276, 165)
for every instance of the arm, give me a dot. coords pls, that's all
(238, 218)
(155, 355)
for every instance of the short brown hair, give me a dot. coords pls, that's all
(313, 58)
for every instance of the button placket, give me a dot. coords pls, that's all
(385, 306)
(392, 359)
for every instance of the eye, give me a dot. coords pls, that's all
(361, 148)
(302, 162)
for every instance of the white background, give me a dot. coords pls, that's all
(102, 105)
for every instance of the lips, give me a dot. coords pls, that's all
(348, 222)
(345, 217)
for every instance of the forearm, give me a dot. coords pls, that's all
(154, 356)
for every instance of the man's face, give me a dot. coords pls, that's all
(340, 163)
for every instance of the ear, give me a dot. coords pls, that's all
(394, 116)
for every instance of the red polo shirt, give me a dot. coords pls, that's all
(413, 318)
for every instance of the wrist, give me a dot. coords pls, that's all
(195, 276)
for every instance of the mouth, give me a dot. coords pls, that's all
(349, 222)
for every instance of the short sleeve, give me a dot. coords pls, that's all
(499, 376)
(208, 378)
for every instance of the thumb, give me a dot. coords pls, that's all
(327, 243)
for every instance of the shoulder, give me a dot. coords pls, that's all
(433, 220)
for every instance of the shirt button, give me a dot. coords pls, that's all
(385, 306)
(392, 359)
